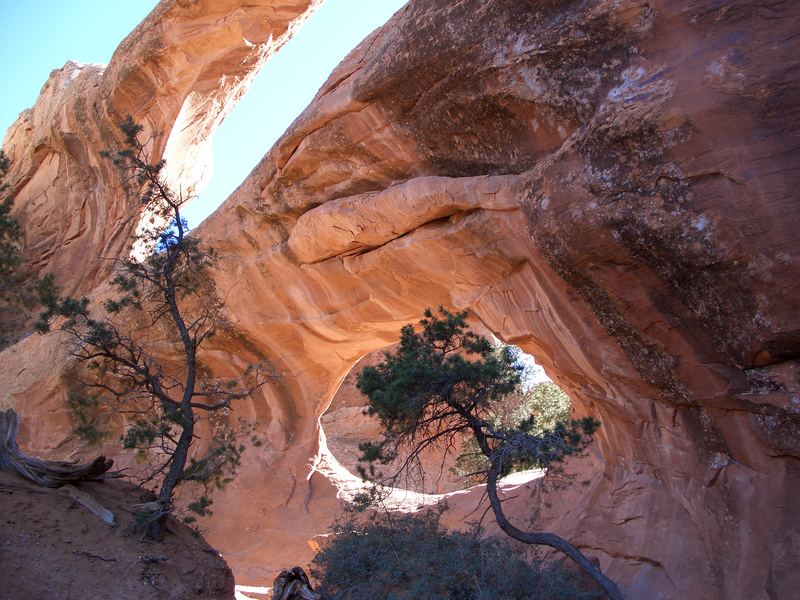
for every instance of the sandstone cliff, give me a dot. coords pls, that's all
(179, 73)
(607, 184)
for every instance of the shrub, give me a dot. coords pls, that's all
(412, 556)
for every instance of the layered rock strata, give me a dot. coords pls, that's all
(608, 185)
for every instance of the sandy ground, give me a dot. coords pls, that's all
(51, 547)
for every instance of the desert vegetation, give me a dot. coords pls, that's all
(18, 285)
(405, 556)
(444, 381)
(139, 350)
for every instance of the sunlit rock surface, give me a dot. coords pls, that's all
(179, 73)
(609, 185)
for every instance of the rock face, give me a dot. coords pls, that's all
(178, 74)
(607, 184)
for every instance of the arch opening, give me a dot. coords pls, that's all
(443, 470)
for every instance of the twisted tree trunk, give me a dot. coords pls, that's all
(293, 585)
(44, 472)
(544, 539)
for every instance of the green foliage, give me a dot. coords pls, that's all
(201, 507)
(443, 382)
(10, 231)
(412, 556)
(542, 410)
(86, 409)
(143, 433)
(548, 403)
(168, 287)
(431, 365)
(218, 466)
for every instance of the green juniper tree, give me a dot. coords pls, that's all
(149, 372)
(544, 401)
(444, 382)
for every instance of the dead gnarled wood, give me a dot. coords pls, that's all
(293, 585)
(91, 504)
(43, 472)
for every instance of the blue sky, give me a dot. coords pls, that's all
(41, 35)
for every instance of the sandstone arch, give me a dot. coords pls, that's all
(608, 185)
(178, 73)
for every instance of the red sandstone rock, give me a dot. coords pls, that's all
(178, 74)
(609, 185)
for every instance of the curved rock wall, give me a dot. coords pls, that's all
(178, 74)
(607, 184)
